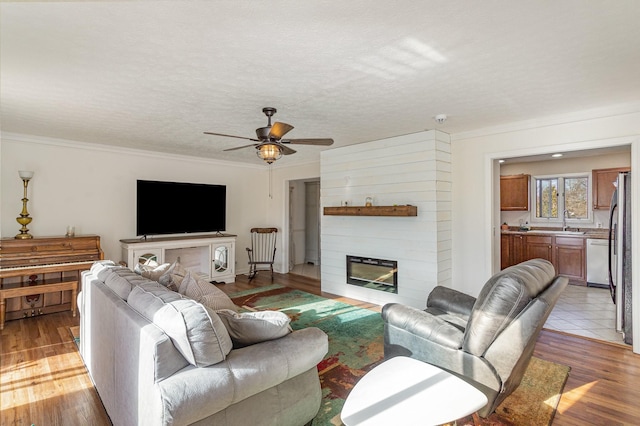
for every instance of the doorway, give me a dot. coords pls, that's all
(581, 310)
(304, 227)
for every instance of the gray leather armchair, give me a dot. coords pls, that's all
(487, 341)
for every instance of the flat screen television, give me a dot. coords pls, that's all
(178, 207)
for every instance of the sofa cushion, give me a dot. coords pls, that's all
(103, 270)
(101, 265)
(254, 327)
(121, 280)
(196, 330)
(202, 291)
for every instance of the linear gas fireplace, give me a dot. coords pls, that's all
(378, 274)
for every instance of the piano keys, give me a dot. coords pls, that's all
(41, 275)
(38, 269)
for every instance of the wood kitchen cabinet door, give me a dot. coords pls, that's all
(602, 181)
(512, 250)
(539, 247)
(518, 254)
(514, 193)
(571, 259)
(505, 251)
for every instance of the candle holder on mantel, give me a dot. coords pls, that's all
(24, 218)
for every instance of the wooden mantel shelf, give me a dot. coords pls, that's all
(371, 211)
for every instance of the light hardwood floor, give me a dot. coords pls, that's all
(43, 380)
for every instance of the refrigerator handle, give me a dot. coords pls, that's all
(612, 243)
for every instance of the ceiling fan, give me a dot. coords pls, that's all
(270, 146)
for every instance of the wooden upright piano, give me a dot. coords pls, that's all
(42, 275)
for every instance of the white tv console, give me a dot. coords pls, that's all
(212, 255)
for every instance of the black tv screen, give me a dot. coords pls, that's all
(177, 207)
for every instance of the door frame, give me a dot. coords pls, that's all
(286, 234)
(492, 206)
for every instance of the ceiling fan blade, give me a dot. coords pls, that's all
(286, 150)
(321, 142)
(231, 136)
(239, 147)
(278, 130)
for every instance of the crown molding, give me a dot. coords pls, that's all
(66, 143)
(574, 117)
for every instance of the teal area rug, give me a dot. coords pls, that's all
(355, 339)
(356, 346)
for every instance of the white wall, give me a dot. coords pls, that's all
(412, 169)
(474, 165)
(92, 187)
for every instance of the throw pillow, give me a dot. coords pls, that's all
(218, 300)
(202, 291)
(254, 327)
(153, 273)
(176, 269)
(189, 287)
(195, 330)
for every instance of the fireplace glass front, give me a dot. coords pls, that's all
(378, 274)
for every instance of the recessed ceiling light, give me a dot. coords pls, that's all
(557, 155)
(500, 161)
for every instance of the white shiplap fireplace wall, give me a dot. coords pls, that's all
(412, 169)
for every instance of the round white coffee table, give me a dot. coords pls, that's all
(405, 391)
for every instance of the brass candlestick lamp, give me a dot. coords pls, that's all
(24, 218)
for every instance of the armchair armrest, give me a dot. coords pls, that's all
(451, 301)
(422, 324)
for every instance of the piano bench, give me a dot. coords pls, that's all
(37, 289)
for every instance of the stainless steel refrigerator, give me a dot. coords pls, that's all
(620, 254)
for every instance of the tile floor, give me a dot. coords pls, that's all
(585, 311)
(308, 270)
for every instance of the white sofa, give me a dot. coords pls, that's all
(143, 378)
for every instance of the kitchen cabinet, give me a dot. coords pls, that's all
(505, 251)
(602, 183)
(512, 250)
(514, 193)
(518, 249)
(539, 247)
(566, 253)
(570, 258)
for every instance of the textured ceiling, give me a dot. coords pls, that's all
(155, 75)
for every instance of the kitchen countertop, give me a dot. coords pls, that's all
(595, 233)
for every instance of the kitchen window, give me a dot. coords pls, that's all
(555, 196)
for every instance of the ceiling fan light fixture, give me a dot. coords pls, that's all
(269, 152)
(270, 146)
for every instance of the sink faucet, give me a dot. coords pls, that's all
(564, 220)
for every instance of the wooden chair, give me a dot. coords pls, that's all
(263, 250)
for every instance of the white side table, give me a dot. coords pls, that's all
(405, 391)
